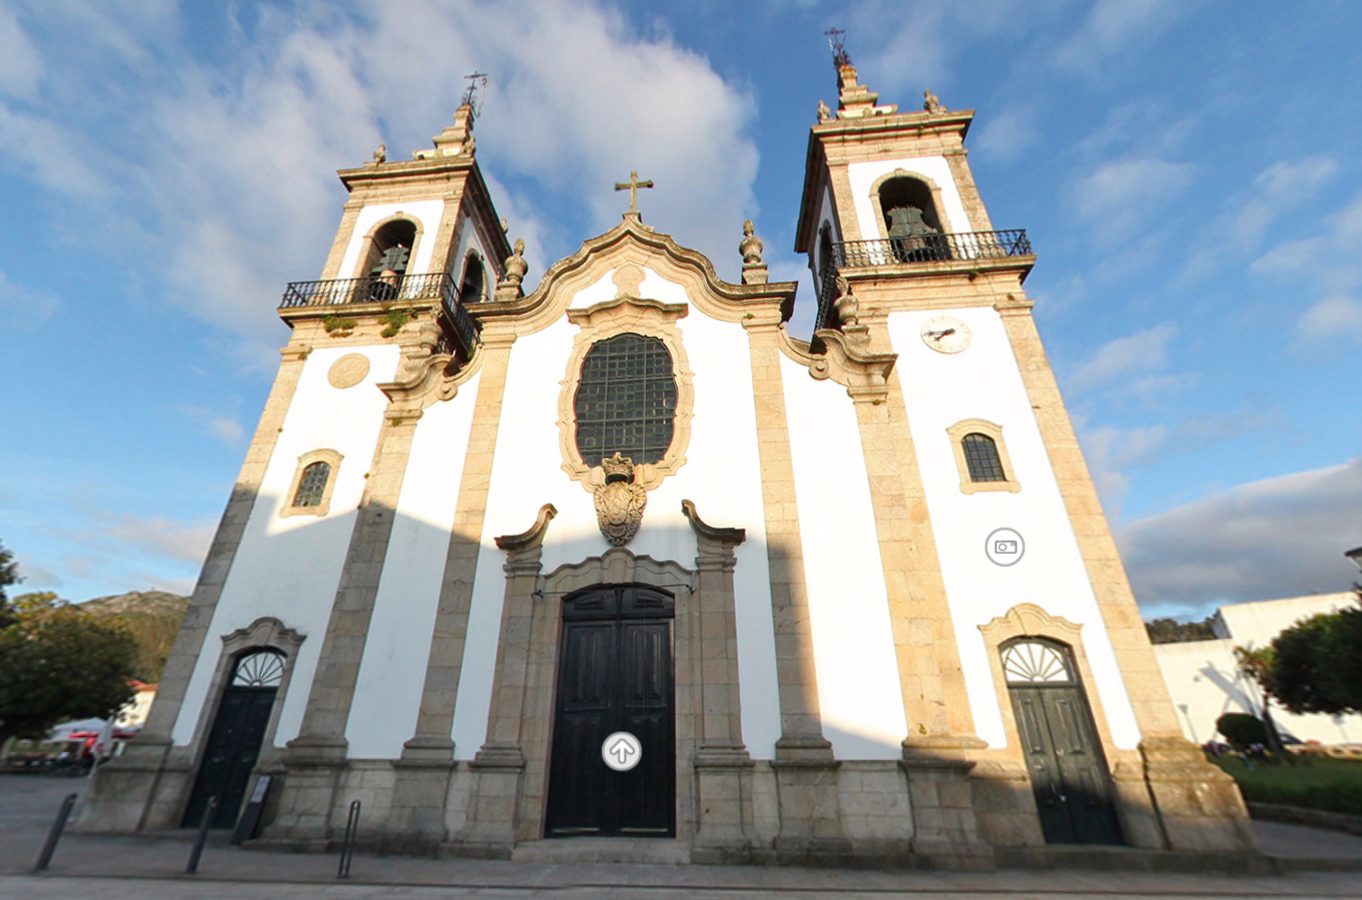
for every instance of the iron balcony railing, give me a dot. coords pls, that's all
(957, 247)
(390, 289)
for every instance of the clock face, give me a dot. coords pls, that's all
(945, 334)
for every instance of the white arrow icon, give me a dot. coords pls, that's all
(621, 751)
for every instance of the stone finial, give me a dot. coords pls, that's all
(847, 304)
(854, 99)
(457, 139)
(931, 102)
(823, 112)
(751, 245)
(508, 288)
(754, 271)
(381, 154)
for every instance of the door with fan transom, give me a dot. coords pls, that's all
(233, 746)
(1063, 757)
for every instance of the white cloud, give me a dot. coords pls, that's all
(1144, 351)
(1120, 195)
(1113, 26)
(231, 165)
(1006, 134)
(219, 427)
(1239, 231)
(20, 65)
(24, 308)
(1332, 317)
(160, 536)
(1279, 537)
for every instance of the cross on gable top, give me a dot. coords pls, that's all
(632, 187)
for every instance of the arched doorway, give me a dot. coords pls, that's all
(615, 673)
(234, 741)
(1065, 761)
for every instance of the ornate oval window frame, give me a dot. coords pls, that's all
(626, 315)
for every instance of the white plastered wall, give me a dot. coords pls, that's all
(853, 645)
(427, 212)
(863, 175)
(392, 672)
(722, 476)
(265, 577)
(985, 382)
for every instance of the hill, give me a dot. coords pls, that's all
(153, 617)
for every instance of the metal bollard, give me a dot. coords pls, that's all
(348, 847)
(54, 835)
(202, 837)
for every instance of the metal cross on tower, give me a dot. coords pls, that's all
(476, 80)
(837, 41)
(632, 187)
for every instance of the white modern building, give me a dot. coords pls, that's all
(1205, 682)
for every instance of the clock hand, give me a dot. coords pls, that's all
(938, 335)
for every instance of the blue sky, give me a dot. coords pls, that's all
(1187, 170)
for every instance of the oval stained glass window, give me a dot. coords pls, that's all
(626, 400)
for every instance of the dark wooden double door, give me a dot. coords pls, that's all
(1065, 762)
(615, 673)
(230, 755)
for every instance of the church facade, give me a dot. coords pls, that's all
(850, 598)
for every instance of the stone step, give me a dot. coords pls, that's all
(646, 851)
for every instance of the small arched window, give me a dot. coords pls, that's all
(313, 484)
(474, 286)
(981, 456)
(626, 400)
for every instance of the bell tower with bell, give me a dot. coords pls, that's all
(990, 529)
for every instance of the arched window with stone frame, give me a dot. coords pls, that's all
(910, 216)
(313, 482)
(981, 457)
(387, 257)
(473, 283)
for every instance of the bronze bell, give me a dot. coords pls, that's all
(906, 222)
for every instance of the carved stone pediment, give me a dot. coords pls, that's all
(845, 360)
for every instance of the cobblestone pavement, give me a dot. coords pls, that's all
(152, 868)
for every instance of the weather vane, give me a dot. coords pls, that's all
(474, 80)
(837, 41)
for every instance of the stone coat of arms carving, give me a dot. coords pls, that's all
(619, 502)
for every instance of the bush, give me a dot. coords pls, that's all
(1242, 730)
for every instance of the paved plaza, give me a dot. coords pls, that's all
(152, 868)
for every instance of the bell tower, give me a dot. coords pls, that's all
(885, 189)
(990, 529)
(416, 236)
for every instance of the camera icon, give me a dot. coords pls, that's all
(1005, 547)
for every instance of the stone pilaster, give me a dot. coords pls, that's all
(491, 827)
(1198, 806)
(147, 786)
(316, 756)
(806, 772)
(722, 763)
(431, 740)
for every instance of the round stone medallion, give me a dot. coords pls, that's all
(348, 371)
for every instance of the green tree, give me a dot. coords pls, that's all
(1171, 631)
(9, 574)
(1317, 664)
(1256, 665)
(59, 663)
